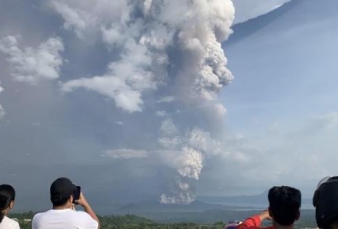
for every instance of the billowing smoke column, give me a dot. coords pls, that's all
(169, 50)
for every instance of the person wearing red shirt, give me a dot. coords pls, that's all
(283, 210)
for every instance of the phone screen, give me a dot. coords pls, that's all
(76, 194)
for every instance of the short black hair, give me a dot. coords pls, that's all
(333, 224)
(324, 200)
(284, 204)
(61, 190)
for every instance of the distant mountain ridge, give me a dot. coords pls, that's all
(156, 206)
(201, 204)
(199, 211)
(243, 199)
(252, 201)
(245, 29)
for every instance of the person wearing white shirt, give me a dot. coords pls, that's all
(63, 195)
(7, 197)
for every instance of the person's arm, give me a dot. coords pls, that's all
(264, 215)
(83, 202)
(254, 221)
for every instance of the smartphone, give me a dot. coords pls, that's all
(76, 194)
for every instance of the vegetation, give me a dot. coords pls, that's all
(136, 222)
(24, 219)
(125, 222)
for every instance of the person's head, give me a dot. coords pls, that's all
(284, 204)
(7, 197)
(61, 192)
(325, 200)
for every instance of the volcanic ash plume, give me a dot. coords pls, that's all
(168, 51)
(185, 153)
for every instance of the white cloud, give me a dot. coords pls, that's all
(87, 18)
(166, 99)
(274, 127)
(161, 113)
(329, 121)
(2, 111)
(126, 153)
(169, 128)
(316, 127)
(33, 65)
(170, 142)
(73, 18)
(112, 87)
(287, 153)
(124, 81)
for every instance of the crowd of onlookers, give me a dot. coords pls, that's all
(64, 195)
(285, 203)
(283, 210)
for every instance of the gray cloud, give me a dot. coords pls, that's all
(2, 111)
(89, 19)
(33, 65)
(126, 154)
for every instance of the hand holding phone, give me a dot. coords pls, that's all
(76, 194)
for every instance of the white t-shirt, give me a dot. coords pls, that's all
(65, 218)
(8, 223)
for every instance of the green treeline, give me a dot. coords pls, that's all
(136, 222)
(124, 222)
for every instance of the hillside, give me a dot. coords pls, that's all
(213, 219)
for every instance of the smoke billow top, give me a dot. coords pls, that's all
(168, 56)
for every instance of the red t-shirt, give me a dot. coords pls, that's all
(253, 222)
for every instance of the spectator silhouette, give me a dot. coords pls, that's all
(7, 197)
(283, 210)
(325, 200)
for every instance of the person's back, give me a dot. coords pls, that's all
(62, 215)
(284, 205)
(65, 218)
(325, 200)
(7, 197)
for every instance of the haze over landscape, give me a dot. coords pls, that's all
(167, 101)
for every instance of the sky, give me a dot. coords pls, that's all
(166, 100)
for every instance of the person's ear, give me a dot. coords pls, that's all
(71, 198)
(270, 212)
(11, 204)
(298, 215)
